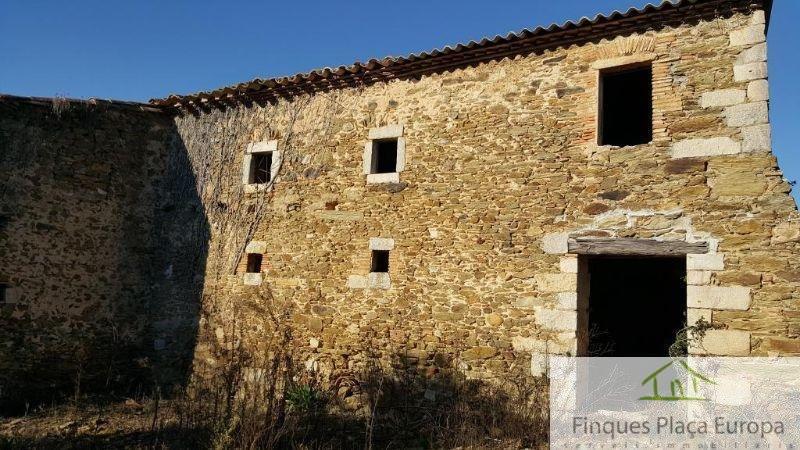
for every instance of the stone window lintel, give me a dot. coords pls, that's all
(386, 132)
(256, 247)
(379, 243)
(620, 61)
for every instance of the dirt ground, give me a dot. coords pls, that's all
(123, 424)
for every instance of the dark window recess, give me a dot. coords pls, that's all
(380, 261)
(626, 106)
(3, 293)
(254, 262)
(261, 167)
(637, 306)
(384, 156)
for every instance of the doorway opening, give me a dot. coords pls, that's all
(636, 306)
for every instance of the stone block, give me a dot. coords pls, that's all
(378, 243)
(757, 138)
(569, 264)
(636, 58)
(753, 34)
(366, 158)
(722, 343)
(292, 282)
(782, 346)
(263, 146)
(494, 320)
(750, 71)
(256, 247)
(723, 97)
(758, 17)
(527, 302)
(683, 165)
(478, 353)
(567, 301)
(563, 344)
(708, 261)
(718, 297)
(379, 280)
(747, 114)
(740, 278)
(555, 243)
(758, 90)
(247, 162)
(756, 53)
(525, 344)
(556, 319)
(739, 183)
(556, 282)
(252, 279)
(786, 232)
(383, 178)
(256, 188)
(690, 148)
(693, 315)
(386, 132)
(357, 282)
(698, 277)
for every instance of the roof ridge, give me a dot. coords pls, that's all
(451, 55)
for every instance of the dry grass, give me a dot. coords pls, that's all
(381, 410)
(246, 399)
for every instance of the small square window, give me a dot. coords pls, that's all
(261, 168)
(384, 156)
(380, 261)
(4, 297)
(626, 106)
(254, 262)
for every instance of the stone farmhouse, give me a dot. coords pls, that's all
(588, 188)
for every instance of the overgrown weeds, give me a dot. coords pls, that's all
(246, 396)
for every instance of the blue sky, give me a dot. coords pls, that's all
(137, 50)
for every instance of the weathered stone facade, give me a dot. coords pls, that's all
(500, 170)
(88, 228)
(498, 175)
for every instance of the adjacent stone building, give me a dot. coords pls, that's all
(586, 188)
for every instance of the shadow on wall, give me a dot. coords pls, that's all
(103, 244)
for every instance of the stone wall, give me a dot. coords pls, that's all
(116, 218)
(88, 233)
(501, 169)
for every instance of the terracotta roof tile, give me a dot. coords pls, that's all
(461, 55)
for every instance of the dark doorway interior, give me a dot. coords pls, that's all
(262, 167)
(384, 156)
(626, 106)
(636, 305)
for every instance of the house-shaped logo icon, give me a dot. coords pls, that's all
(677, 390)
